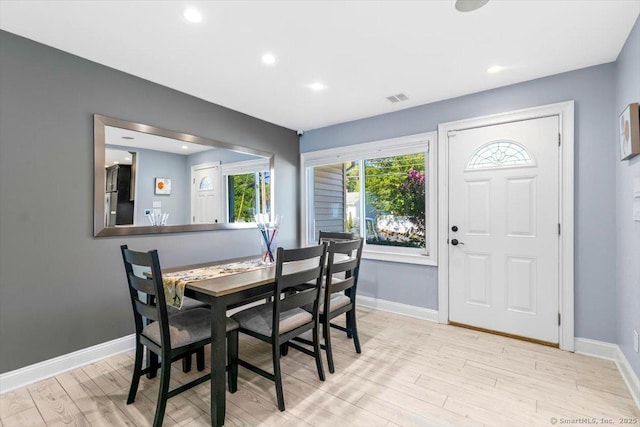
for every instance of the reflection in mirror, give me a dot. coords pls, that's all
(151, 180)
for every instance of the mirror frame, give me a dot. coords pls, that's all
(99, 179)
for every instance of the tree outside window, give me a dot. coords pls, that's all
(248, 195)
(395, 200)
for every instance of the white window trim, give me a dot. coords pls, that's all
(376, 149)
(247, 166)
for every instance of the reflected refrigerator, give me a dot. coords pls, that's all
(118, 206)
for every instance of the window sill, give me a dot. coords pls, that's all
(401, 258)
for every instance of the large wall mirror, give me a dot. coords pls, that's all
(150, 180)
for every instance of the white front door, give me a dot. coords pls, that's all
(504, 227)
(205, 193)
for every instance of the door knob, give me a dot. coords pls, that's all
(454, 228)
(455, 242)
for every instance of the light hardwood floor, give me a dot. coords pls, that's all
(410, 373)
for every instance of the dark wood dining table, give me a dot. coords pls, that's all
(223, 293)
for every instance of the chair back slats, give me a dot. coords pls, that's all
(313, 260)
(299, 299)
(152, 305)
(350, 266)
(142, 284)
(298, 277)
(347, 247)
(146, 310)
(330, 236)
(335, 287)
(344, 265)
(137, 258)
(300, 254)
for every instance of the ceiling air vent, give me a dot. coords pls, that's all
(397, 98)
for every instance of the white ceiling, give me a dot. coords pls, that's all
(135, 139)
(362, 51)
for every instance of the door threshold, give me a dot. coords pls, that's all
(504, 334)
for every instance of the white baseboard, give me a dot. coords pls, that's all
(398, 308)
(612, 352)
(52, 367)
(600, 349)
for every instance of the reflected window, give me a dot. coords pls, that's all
(248, 194)
(500, 154)
(205, 184)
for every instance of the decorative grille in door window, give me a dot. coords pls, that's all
(206, 184)
(500, 154)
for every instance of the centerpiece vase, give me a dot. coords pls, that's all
(268, 238)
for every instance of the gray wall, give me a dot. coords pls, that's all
(594, 94)
(62, 290)
(627, 230)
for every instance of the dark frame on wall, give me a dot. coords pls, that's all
(629, 129)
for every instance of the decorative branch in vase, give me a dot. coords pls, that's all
(268, 237)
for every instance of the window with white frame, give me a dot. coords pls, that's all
(381, 191)
(247, 189)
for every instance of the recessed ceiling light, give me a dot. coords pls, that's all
(470, 5)
(127, 158)
(185, 147)
(192, 15)
(495, 69)
(268, 58)
(317, 86)
(116, 162)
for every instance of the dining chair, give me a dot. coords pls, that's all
(152, 358)
(339, 294)
(188, 304)
(172, 337)
(277, 322)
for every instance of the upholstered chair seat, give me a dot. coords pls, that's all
(337, 301)
(260, 319)
(186, 327)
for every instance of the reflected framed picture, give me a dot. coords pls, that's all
(163, 186)
(629, 129)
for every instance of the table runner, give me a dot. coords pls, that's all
(174, 283)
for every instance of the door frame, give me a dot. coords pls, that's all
(565, 113)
